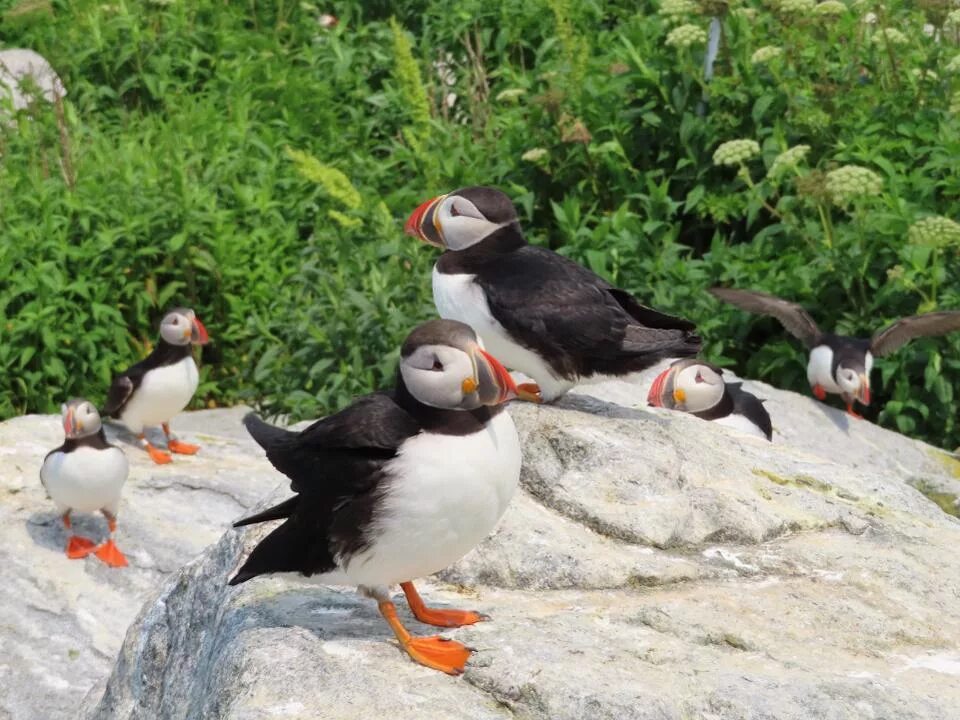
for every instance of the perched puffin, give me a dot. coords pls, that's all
(537, 311)
(697, 387)
(162, 384)
(839, 364)
(86, 474)
(398, 485)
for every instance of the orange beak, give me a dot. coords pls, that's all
(70, 423)
(656, 394)
(495, 384)
(863, 392)
(198, 333)
(422, 223)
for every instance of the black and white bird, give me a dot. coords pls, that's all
(161, 385)
(698, 388)
(537, 311)
(398, 485)
(86, 474)
(840, 364)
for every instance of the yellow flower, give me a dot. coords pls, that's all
(850, 182)
(510, 94)
(677, 9)
(765, 54)
(830, 7)
(686, 36)
(534, 155)
(735, 152)
(935, 231)
(788, 159)
(894, 37)
(796, 7)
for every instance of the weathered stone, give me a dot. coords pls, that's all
(652, 565)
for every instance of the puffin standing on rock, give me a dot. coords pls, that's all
(839, 364)
(537, 311)
(86, 474)
(697, 387)
(398, 485)
(162, 384)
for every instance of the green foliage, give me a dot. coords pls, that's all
(245, 160)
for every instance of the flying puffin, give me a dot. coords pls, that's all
(162, 384)
(86, 474)
(697, 387)
(839, 364)
(537, 311)
(398, 485)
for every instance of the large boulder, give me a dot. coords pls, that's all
(653, 565)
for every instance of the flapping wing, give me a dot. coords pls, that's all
(901, 332)
(794, 318)
(121, 389)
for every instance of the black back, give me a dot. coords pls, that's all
(568, 315)
(337, 467)
(127, 382)
(737, 401)
(847, 351)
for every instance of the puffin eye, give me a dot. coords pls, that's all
(437, 365)
(453, 210)
(176, 321)
(699, 377)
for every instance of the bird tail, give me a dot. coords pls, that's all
(267, 436)
(280, 551)
(277, 512)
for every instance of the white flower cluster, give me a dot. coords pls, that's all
(936, 231)
(677, 9)
(686, 36)
(953, 19)
(788, 159)
(796, 7)
(748, 13)
(920, 74)
(735, 152)
(953, 66)
(850, 182)
(534, 155)
(894, 36)
(765, 54)
(831, 8)
(510, 94)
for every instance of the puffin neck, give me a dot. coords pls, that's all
(439, 420)
(167, 353)
(500, 242)
(97, 441)
(721, 409)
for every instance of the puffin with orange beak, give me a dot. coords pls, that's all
(537, 311)
(399, 485)
(697, 387)
(158, 387)
(840, 364)
(86, 474)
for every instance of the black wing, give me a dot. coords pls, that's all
(751, 407)
(122, 388)
(576, 319)
(337, 468)
(794, 318)
(903, 331)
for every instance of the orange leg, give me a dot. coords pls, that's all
(109, 553)
(156, 454)
(852, 412)
(529, 392)
(819, 392)
(77, 547)
(435, 652)
(178, 446)
(440, 618)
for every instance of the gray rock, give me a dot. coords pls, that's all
(652, 565)
(24, 72)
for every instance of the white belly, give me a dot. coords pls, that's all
(742, 424)
(458, 297)
(447, 494)
(820, 369)
(86, 479)
(164, 392)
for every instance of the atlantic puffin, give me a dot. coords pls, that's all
(398, 485)
(540, 313)
(162, 384)
(839, 364)
(697, 387)
(86, 474)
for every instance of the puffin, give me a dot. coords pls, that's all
(697, 387)
(161, 385)
(398, 485)
(537, 311)
(840, 364)
(86, 474)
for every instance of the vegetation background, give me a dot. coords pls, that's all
(255, 161)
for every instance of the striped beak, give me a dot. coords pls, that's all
(863, 391)
(198, 333)
(493, 383)
(70, 424)
(423, 225)
(663, 394)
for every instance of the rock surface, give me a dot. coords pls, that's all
(653, 565)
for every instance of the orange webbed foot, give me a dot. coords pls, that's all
(530, 392)
(449, 618)
(182, 448)
(818, 392)
(438, 653)
(79, 547)
(158, 455)
(110, 554)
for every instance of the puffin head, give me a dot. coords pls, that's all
(462, 218)
(80, 419)
(689, 385)
(181, 326)
(444, 365)
(854, 382)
